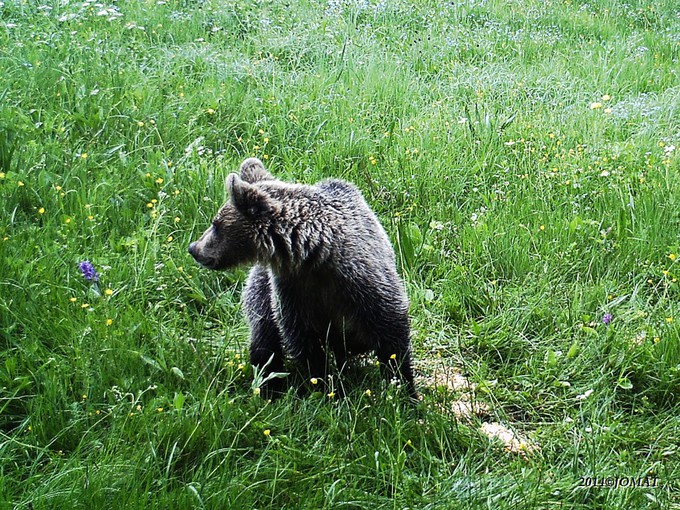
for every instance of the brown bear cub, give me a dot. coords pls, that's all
(324, 278)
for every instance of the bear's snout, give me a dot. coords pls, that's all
(201, 258)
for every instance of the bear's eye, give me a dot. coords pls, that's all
(215, 226)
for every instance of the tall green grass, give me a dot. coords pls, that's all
(522, 156)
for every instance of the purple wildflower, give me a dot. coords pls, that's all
(607, 318)
(88, 271)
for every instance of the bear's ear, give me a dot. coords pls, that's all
(250, 200)
(252, 170)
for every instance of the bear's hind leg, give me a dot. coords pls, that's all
(398, 366)
(266, 345)
(394, 354)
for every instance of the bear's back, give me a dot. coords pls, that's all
(339, 188)
(357, 221)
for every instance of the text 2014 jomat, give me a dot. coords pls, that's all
(615, 482)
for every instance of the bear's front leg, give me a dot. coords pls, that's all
(305, 345)
(266, 344)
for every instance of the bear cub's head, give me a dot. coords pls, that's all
(232, 238)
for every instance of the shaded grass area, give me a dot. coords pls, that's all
(522, 157)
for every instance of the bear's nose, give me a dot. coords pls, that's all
(192, 249)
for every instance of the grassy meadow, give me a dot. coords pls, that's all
(524, 158)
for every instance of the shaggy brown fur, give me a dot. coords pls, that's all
(324, 279)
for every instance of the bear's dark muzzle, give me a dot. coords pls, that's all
(202, 259)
